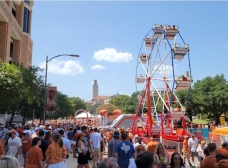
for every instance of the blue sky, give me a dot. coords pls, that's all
(109, 35)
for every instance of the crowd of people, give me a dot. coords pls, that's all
(49, 146)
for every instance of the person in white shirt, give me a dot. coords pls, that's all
(200, 151)
(192, 143)
(14, 144)
(96, 140)
(66, 141)
(138, 141)
(32, 131)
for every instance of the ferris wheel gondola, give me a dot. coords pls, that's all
(159, 59)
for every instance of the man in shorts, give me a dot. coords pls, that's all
(185, 150)
(192, 143)
(96, 140)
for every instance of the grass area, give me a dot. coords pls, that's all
(202, 121)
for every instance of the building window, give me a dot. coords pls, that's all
(27, 2)
(11, 51)
(14, 9)
(26, 21)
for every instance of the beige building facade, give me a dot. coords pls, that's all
(15, 31)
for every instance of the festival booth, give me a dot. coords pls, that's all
(219, 135)
(84, 116)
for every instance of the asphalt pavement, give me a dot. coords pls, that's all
(72, 162)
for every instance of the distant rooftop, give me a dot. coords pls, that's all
(101, 98)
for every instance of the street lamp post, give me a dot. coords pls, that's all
(45, 83)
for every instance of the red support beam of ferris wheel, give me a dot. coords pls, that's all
(149, 109)
(134, 126)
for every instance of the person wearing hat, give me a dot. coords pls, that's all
(26, 144)
(223, 150)
(36, 133)
(185, 150)
(112, 144)
(50, 128)
(14, 144)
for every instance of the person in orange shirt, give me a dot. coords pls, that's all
(35, 155)
(209, 161)
(151, 145)
(26, 144)
(222, 164)
(56, 153)
(19, 131)
(223, 150)
(1, 149)
(108, 135)
(186, 150)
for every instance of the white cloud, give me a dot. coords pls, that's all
(226, 45)
(97, 67)
(64, 67)
(111, 55)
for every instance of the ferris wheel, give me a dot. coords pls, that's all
(163, 58)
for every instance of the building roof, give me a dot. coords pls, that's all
(100, 98)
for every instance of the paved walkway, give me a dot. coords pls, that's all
(70, 162)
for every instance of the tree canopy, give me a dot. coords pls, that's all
(126, 103)
(208, 96)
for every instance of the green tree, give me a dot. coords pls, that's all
(120, 101)
(211, 96)
(63, 107)
(10, 84)
(92, 108)
(23, 87)
(186, 99)
(77, 103)
(33, 87)
(125, 103)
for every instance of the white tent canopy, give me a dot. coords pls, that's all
(84, 115)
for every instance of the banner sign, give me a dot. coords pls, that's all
(51, 99)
